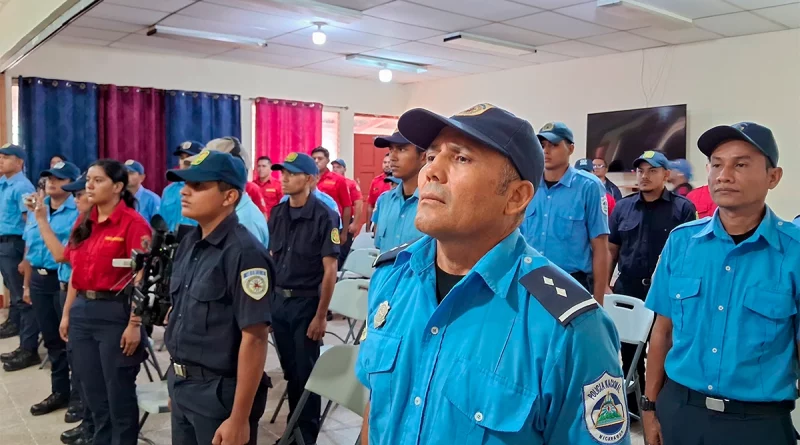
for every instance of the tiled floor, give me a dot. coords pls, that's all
(19, 390)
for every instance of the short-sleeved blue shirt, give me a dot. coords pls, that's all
(147, 203)
(170, 208)
(61, 221)
(394, 219)
(12, 190)
(253, 219)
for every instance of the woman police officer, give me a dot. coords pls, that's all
(97, 319)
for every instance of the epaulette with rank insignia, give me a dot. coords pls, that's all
(558, 293)
(391, 255)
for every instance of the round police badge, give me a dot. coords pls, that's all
(255, 282)
(648, 154)
(59, 165)
(605, 410)
(129, 162)
(476, 110)
(291, 157)
(335, 236)
(200, 157)
(547, 127)
(186, 145)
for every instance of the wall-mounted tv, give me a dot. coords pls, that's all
(620, 137)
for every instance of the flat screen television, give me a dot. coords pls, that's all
(620, 137)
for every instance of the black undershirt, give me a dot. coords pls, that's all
(52, 209)
(444, 283)
(739, 238)
(550, 183)
(405, 197)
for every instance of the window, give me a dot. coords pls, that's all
(330, 132)
(15, 113)
(377, 125)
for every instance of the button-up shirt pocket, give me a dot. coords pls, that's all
(378, 357)
(686, 305)
(570, 226)
(767, 314)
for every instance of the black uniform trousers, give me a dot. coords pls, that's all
(686, 421)
(636, 288)
(46, 301)
(76, 394)
(201, 402)
(298, 355)
(12, 249)
(344, 250)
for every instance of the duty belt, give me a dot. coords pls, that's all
(45, 272)
(194, 372)
(291, 293)
(101, 295)
(728, 406)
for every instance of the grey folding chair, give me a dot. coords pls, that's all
(359, 264)
(633, 322)
(333, 378)
(364, 240)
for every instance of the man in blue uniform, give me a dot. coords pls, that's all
(567, 221)
(473, 337)
(640, 225)
(394, 223)
(147, 201)
(170, 208)
(217, 334)
(305, 246)
(722, 365)
(14, 187)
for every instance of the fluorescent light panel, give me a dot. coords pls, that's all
(641, 12)
(205, 35)
(488, 44)
(379, 62)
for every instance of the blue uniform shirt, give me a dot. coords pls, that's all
(797, 221)
(733, 309)
(561, 221)
(492, 364)
(11, 207)
(395, 219)
(61, 221)
(148, 203)
(252, 218)
(170, 208)
(325, 199)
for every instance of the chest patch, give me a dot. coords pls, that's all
(605, 413)
(255, 282)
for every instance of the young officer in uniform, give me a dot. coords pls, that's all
(473, 337)
(639, 229)
(57, 213)
(14, 187)
(394, 224)
(217, 333)
(680, 175)
(567, 221)
(722, 364)
(340, 167)
(170, 208)
(379, 185)
(334, 185)
(270, 187)
(585, 164)
(147, 202)
(305, 246)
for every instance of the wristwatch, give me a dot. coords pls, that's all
(646, 404)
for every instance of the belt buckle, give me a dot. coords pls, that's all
(287, 293)
(646, 281)
(91, 295)
(42, 272)
(180, 370)
(715, 404)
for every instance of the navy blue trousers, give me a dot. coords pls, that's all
(46, 301)
(76, 394)
(20, 313)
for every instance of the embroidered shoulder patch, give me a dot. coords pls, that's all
(604, 204)
(558, 293)
(335, 236)
(605, 413)
(255, 282)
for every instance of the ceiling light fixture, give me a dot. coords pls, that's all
(487, 44)
(388, 64)
(319, 37)
(205, 35)
(385, 75)
(644, 13)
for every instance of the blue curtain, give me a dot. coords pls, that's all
(200, 117)
(57, 117)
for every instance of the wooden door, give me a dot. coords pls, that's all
(368, 162)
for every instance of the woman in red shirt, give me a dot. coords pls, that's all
(106, 339)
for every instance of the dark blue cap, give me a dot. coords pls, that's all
(758, 135)
(76, 185)
(190, 148)
(298, 163)
(495, 127)
(683, 167)
(585, 165)
(63, 170)
(555, 132)
(13, 150)
(387, 141)
(654, 158)
(212, 166)
(134, 166)
(341, 162)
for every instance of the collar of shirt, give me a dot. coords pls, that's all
(307, 211)
(243, 201)
(566, 180)
(666, 195)
(219, 233)
(115, 216)
(69, 203)
(261, 183)
(766, 229)
(397, 193)
(17, 177)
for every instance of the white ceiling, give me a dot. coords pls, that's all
(412, 31)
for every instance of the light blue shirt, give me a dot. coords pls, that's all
(325, 199)
(734, 309)
(11, 207)
(253, 219)
(170, 208)
(489, 365)
(797, 221)
(148, 203)
(394, 219)
(61, 221)
(561, 221)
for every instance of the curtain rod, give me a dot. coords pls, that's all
(323, 105)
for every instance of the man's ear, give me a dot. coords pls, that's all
(775, 175)
(520, 194)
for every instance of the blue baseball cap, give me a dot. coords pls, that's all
(63, 170)
(340, 161)
(683, 167)
(555, 132)
(190, 148)
(134, 166)
(758, 135)
(212, 166)
(76, 185)
(654, 158)
(13, 150)
(585, 165)
(298, 163)
(492, 126)
(387, 141)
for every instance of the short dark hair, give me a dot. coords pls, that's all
(322, 150)
(264, 158)
(224, 187)
(59, 156)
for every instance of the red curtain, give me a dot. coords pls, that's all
(132, 126)
(285, 126)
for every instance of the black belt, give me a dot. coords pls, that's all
(101, 295)
(9, 238)
(646, 282)
(198, 372)
(44, 272)
(291, 293)
(734, 406)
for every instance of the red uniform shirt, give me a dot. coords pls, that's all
(272, 191)
(701, 198)
(255, 194)
(377, 188)
(117, 237)
(335, 185)
(354, 189)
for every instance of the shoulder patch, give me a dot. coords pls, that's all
(791, 229)
(255, 282)
(559, 294)
(391, 255)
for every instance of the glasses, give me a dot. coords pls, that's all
(598, 167)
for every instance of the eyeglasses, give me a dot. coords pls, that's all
(598, 167)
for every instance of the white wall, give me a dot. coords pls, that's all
(123, 67)
(753, 78)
